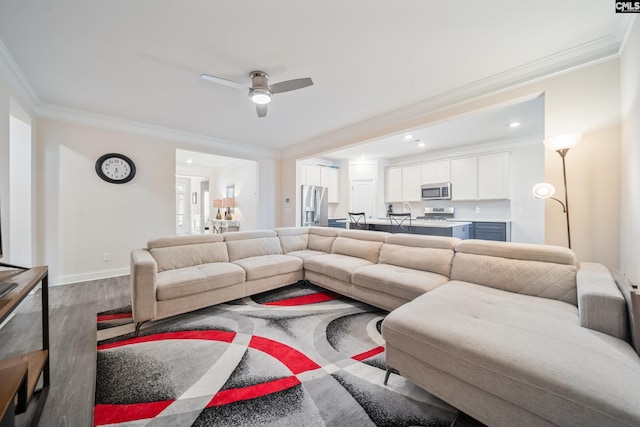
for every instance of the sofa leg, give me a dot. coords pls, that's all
(137, 331)
(390, 371)
(455, 419)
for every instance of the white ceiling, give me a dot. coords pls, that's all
(141, 60)
(481, 127)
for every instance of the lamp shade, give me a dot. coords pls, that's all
(229, 202)
(563, 142)
(543, 190)
(217, 203)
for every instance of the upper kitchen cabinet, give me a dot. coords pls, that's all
(435, 172)
(310, 174)
(493, 176)
(484, 177)
(330, 178)
(411, 181)
(393, 185)
(464, 179)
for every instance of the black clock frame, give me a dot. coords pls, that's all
(111, 180)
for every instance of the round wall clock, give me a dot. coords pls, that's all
(115, 168)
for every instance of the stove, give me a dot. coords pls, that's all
(438, 214)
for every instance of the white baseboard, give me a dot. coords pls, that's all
(85, 277)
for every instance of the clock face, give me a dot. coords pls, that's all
(115, 168)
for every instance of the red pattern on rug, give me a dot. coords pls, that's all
(303, 300)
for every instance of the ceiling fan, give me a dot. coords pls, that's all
(260, 90)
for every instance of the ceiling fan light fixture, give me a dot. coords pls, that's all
(260, 95)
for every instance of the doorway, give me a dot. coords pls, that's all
(363, 196)
(210, 176)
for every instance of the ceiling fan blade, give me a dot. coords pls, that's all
(261, 109)
(288, 85)
(222, 81)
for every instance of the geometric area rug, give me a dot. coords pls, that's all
(295, 356)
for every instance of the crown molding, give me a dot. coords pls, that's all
(623, 30)
(9, 68)
(586, 54)
(224, 147)
(19, 83)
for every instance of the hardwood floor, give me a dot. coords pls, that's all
(72, 325)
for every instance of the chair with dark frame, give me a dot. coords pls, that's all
(400, 222)
(358, 221)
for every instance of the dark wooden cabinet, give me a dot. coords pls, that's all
(333, 222)
(499, 231)
(35, 363)
(459, 231)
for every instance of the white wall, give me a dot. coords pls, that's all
(20, 170)
(84, 217)
(630, 156)
(10, 102)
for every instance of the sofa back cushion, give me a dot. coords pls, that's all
(293, 238)
(322, 238)
(187, 250)
(419, 252)
(360, 244)
(246, 244)
(538, 270)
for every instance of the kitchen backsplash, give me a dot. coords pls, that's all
(485, 209)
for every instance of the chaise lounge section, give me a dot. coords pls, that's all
(506, 340)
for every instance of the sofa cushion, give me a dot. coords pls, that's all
(187, 251)
(246, 244)
(306, 253)
(529, 351)
(322, 238)
(335, 265)
(197, 279)
(401, 282)
(269, 265)
(538, 270)
(359, 243)
(293, 238)
(418, 252)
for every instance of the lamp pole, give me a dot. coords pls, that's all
(563, 153)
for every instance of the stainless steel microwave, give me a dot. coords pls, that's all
(439, 191)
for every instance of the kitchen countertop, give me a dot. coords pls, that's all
(416, 222)
(479, 220)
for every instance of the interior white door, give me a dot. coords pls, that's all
(183, 206)
(363, 196)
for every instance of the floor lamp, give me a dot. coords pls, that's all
(561, 145)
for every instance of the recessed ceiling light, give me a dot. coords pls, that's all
(514, 124)
(189, 161)
(362, 157)
(408, 137)
(421, 144)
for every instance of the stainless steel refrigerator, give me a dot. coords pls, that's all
(315, 208)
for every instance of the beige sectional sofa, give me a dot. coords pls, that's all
(512, 334)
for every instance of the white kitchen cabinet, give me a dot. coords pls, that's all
(393, 184)
(493, 176)
(435, 172)
(464, 179)
(310, 175)
(330, 178)
(411, 182)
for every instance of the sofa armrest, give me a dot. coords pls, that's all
(601, 306)
(144, 272)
